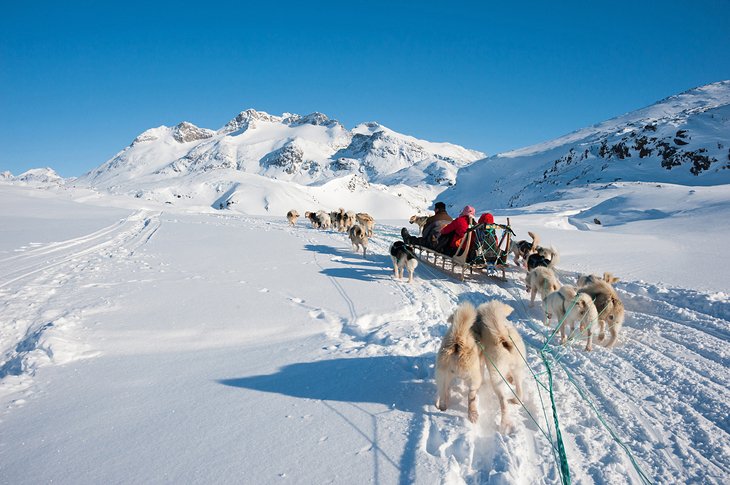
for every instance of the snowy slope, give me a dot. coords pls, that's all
(684, 139)
(35, 176)
(156, 344)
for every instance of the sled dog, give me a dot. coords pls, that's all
(403, 257)
(420, 221)
(610, 309)
(324, 220)
(359, 239)
(459, 357)
(547, 257)
(366, 221)
(313, 218)
(503, 352)
(571, 308)
(522, 249)
(541, 280)
(292, 216)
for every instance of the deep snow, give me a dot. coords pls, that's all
(144, 343)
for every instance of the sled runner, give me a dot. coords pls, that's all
(482, 249)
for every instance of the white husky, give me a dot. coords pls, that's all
(459, 358)
(570, 308)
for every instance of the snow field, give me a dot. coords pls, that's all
(224, 347)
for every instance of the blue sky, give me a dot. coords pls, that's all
(79, 80)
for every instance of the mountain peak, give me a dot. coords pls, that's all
(316, 119)
(247, 119)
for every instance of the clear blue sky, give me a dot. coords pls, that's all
(79, 80)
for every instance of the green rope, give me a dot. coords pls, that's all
(553, 448)
(513, 392)
(544, 351)
(615, 437)
(564, 468)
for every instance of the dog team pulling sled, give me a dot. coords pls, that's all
(481, 345)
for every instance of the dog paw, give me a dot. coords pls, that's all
(506, 427)
(473, 416)
(589, 348)
(601, 336)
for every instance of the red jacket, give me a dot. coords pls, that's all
(457, 228)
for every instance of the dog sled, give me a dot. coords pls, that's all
(483, 250)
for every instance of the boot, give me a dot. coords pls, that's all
(406, 237)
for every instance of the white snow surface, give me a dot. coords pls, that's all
(145, 342)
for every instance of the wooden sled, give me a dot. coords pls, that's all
(489, 255)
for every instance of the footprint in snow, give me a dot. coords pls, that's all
(319, 314)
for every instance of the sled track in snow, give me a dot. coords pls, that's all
(39, 285)
(663, 390)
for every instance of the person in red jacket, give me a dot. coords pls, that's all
(457, 228)
(486, 218)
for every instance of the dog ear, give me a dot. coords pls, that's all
(507, 310)
(611, 279)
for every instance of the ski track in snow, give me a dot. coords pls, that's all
(46, 288)
(663, 389)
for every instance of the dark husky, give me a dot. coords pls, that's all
(403, 257)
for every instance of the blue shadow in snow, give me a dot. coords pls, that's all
(386, 380)
(322, 249)
(375, 267)
(394, 382)
(358, 273)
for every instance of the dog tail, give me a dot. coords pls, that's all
(554, 260)
(535, 240)
(463, 343)
(493, 316)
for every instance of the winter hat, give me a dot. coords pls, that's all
(486, 218)
(468, 211)
(439, 206)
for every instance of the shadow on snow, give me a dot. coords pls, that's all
(393, 381)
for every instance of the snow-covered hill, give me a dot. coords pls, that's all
(36, 176)
(300, 155)
(684, 139)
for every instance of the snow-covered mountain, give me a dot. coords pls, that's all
(35, 176)
(683, 139)
(309, 152)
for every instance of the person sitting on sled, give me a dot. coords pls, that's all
(431, 229)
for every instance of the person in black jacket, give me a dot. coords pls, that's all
(431, 230)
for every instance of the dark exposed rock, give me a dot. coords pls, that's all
(187, 132)
(290, 157)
